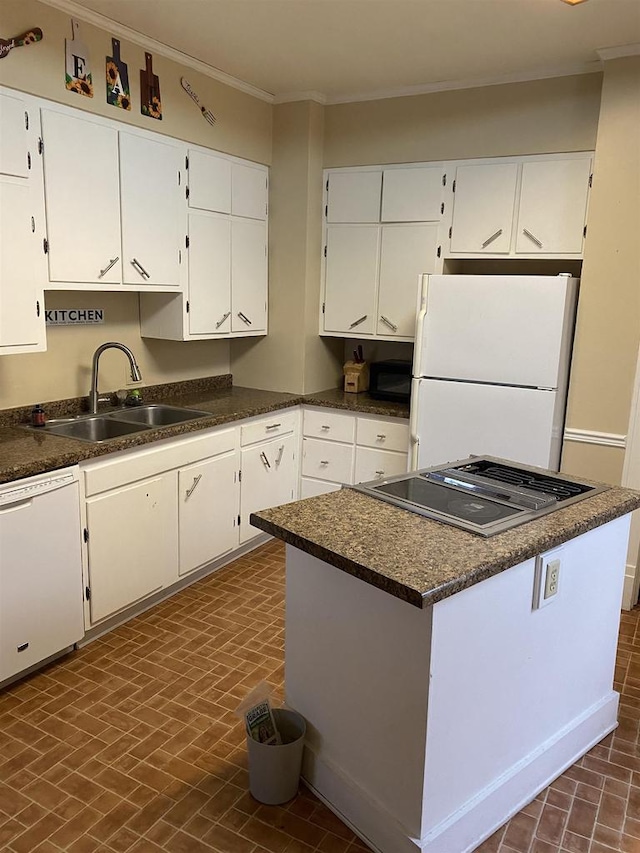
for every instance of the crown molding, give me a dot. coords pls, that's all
(290, 97)
(618, 52)
(449, 85)
(124, 32)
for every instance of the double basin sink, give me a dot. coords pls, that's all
(122, 422)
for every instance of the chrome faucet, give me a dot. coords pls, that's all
(136, 376)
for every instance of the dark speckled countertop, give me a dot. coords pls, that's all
(419, 560)
(24, 452)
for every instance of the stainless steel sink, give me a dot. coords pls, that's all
(116, 424)
(93, 429)
(157, 415)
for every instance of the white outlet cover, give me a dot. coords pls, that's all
(542, 564)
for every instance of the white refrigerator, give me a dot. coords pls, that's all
(491, 367)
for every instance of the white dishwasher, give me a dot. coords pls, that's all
(41, 606)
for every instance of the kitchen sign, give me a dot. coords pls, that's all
(74, 316)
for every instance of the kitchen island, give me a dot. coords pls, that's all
(442, 693)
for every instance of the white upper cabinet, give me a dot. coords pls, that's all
(209, 181)
(209, 274)
(535, 206)
(412, 194)
(249, 190)
(406, 252)
(21, 302)
(152, 225)
(351, 278)
(82, 199)
(14, 153)
(483, 207)
(22, 229)
(354, 196)
(553, 206)
(248, 276)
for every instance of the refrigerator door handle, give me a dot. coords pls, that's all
(423, 284)
(414, 438)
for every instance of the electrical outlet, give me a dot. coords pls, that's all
(547, 579)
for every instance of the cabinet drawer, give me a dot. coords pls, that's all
(279, 424)
(130, 466)
(329, 425)
(326, 460)
(386, 435)
(312, 488)
(375, 464)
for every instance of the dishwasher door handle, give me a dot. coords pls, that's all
(14, 507)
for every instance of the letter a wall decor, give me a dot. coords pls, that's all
(78, 69)
(150, 104)
(118, 94)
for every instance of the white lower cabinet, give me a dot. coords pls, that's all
(207, 497)
(340, 448)
(269, 478)
(132, 543)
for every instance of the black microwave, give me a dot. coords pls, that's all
(390, 380)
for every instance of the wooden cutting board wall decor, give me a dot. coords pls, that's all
(29, 37)
(77, 68)
(151, 104)
(118, 93)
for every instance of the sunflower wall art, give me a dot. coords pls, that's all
(77, 68)
(118, 93)
(151, 104)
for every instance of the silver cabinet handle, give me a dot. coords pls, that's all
(135, 263)
(324, 461)
(532, 237)
(357, 322)
(108, 266)
(381, 436)
(190, 491)
(380, 473)
(325, 426)
(492, 238)
(265, 461)
(273, 426)
(280, 452)
(222, 319)
(244, 318)
(388, 323)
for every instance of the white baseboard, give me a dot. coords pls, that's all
(478, 818)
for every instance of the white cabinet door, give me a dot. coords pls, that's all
(372, 464)
(483, 208)
(209, 182)
(406, 252)
(21, 302)
(248, 276)
(412, 194)
(269, 476)
(354, 196)
(151, 210)
(208, 508)
(249, 187)
(132, 543)
(209, 274)
(553, 206)
(14, 155)
(82, 199)
(351, 275)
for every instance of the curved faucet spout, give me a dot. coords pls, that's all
(136, 376)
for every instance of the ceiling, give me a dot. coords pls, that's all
(340, 50)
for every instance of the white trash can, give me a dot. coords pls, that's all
(274, 771)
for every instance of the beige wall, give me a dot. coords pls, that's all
(292, 357)
(608, 328)
(537, 117)
(65, 369)
(243, 128)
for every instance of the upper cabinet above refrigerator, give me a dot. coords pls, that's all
(520, 207)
